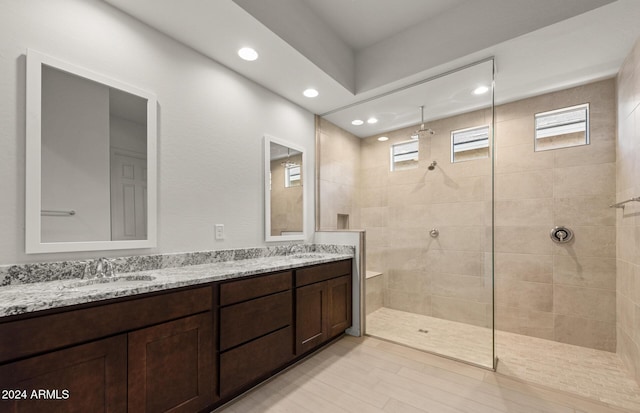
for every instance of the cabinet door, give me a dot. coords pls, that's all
(339, 297)
(311, 313)
(86, 378)
(171, 366)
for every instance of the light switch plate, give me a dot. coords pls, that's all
(219, 231)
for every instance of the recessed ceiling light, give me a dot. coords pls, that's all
(383, 138)
(310, 93)
(248, 53)
(372, 120)
(480, 90)
(357, 122)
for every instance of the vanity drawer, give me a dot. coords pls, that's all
(46, 333)
(246, 289)
(322, 272)
(242, 322)
(244, 365)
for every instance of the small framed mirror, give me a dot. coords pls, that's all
(284, 202)
(90, 160)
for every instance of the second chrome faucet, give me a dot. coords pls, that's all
(99, 268)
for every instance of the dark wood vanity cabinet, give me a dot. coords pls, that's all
(170, 366)
(323, 304)
(185, 350)
(256, 330)
(85, 378)
(150, 353)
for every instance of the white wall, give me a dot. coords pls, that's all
(211, 124)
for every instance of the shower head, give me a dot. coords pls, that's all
(417, 134)
(432, 166)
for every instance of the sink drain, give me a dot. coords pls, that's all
(420, 330)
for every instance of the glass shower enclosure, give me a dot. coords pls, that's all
(418, 178)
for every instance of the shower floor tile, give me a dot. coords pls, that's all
(590, 373)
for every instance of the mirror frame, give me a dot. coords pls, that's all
(267, 191)
(33, 152)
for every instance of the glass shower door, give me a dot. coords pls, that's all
(424, 195)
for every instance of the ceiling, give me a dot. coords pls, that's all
(354, 50)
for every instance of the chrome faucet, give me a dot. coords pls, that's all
(99, 268)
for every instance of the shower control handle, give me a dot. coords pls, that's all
(561, 235)
(434, 233)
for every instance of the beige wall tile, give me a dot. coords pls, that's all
(635, 286)
(410, 194)
(524, 321)
(595, 153)
(596, 334)
(593, 272)
(591, 303)
(512, 132)
(377, 237)
(459, 190)
(409, 281)
(524, 267)
(521, 158)
(458, 214)
(456, 262)
(525, 185)
(626, 349)
(374, 216)
(585, 210)
(589, 242)
(584, 180)
(523, 240)
(461, 287)
(634, 323)
(625, 314)
(409, 216)
(461, 310)
(528, 212)
(374, 177)
(469, 238)
(374, 294)
(408, 301)
(374, 197)
(525, 295)
(405, 257)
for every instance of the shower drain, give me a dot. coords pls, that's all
(421, 330)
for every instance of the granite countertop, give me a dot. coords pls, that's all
(25, 298)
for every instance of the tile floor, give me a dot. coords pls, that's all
(368, 375)
(595, 374)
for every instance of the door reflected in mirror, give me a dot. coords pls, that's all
(284, 192)
(90, 160)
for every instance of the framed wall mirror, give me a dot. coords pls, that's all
(284, 201)
(91, 165)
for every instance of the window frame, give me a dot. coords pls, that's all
(587, 127)
(392, 156)
(288, 182)
(453, 145)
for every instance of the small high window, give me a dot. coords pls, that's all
(404, 155)
(292, 176)
(471, 143)
(562, 128)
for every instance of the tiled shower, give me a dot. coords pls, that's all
(528, 285)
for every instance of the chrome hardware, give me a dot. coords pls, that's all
(99, 268)
(434, 233)
(55, 212)
(621, 204)
(561, 235)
